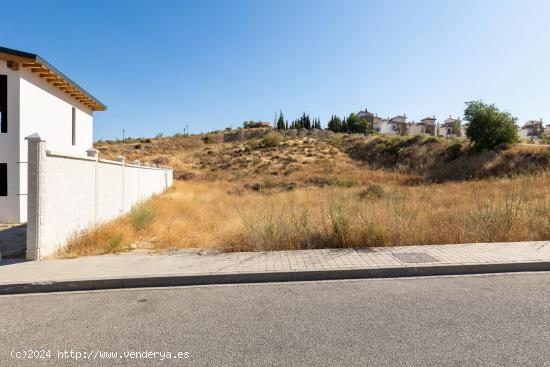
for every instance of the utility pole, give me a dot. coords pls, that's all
(123, 132)
(187, 130)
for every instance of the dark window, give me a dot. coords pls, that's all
(74, 126)
(3, 103)
(3, 179)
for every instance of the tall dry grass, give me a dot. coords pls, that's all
(221, 215)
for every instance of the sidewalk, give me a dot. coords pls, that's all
(191, 268)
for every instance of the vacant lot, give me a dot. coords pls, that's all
(252, 190)
(224, 215)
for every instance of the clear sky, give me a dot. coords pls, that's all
(159, 65)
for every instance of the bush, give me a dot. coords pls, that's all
(208, 139)
(268, 182)
(142, 216)
(114, 243)
(454, 151)
(148, 141)
(372, 191)
(345, 182)
(272, 139)
(137, 146)
(488, 126)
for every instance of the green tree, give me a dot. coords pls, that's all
(545, 137)
(335, 124)
(317, 123)
(353, 123)
(358, 125)
(281, 121)
(488, 126)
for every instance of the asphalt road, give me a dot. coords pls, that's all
(499, 320)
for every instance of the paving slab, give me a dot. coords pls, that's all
(187, 267)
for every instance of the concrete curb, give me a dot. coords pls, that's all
(286, 276)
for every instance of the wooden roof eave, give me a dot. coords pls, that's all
(52, 76)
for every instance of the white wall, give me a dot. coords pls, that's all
(47, 110)
(9, 149)
(68, 194)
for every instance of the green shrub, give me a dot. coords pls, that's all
(142, 216)
(488, 126)
(545, 137)
(272, 139)
(268, 182)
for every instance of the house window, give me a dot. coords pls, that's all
(74, 126)
(3, 104)
(3, 179)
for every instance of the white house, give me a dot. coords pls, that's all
(446, 129)
(532, 129)
(35, 97)
(426, 126)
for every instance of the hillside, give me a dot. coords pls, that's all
(309, 156)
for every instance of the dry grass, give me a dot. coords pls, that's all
(222, 215)
(256, 190)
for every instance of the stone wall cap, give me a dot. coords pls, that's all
(34, 137)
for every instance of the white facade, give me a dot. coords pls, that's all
(37, 105)
(446, 128)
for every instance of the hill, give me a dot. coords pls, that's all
(256, 190)
(302, 156)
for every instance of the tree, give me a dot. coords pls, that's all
(356, 124)
(317, 123)
(335, 124)
(545, 137)
(281, 121)
(456, 128)
(488, 126)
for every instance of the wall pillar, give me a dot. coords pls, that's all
(35, 196)
(122, 160)
(94, 153)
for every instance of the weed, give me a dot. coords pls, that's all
(272, 139)
(345, 182)
(372, 191)
(142, 216)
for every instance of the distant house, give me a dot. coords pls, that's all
(382, 126)
(398, 125)
(426, 126)
(448, 127)
(369, 116)
(532, 129)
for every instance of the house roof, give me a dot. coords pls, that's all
(428, 118)
(37, 64)
(399, 118)
(533, 122)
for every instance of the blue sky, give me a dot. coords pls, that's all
(160, 65)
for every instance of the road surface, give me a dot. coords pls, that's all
(500, 320)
